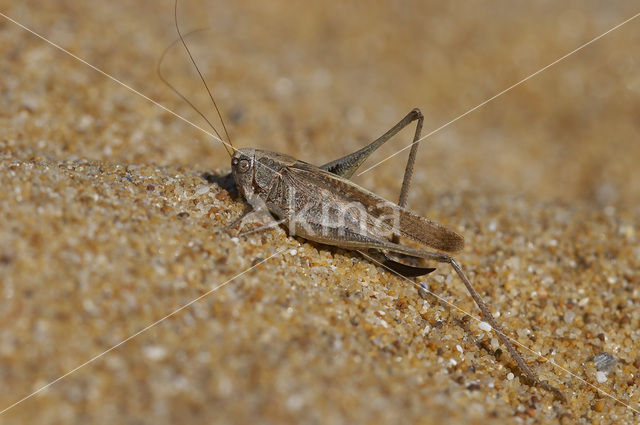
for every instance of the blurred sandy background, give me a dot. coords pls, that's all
(555, 159)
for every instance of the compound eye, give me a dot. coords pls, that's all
(243, 165)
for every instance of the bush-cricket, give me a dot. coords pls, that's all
(322, 204)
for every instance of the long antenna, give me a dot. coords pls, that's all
(204, 82)
(176, 91)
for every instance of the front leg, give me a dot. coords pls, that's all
(260, 211)
(259, 214)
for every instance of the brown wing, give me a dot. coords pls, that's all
(410, 225)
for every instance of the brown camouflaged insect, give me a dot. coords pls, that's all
(321, 204)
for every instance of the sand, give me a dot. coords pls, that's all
(113, 214)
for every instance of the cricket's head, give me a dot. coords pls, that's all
(254, 170)
(242, 168)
